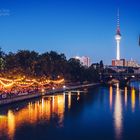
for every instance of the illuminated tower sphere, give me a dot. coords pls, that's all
(118, 38)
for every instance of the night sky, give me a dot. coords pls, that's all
(73, 27)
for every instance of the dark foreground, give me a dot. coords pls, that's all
(95, 114)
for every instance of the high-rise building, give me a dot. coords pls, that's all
(84, 60)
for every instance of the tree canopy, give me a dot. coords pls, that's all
(49, 64)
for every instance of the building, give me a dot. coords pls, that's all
(121, 62)
(84, 60)
(132, 63)
(125, 63)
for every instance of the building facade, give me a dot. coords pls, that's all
(121, 62)
(84, 60)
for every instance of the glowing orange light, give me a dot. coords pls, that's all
(24, 82)
(110, 97)
(133, 99)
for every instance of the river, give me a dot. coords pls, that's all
(101, 113)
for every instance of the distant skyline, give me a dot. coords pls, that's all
(72, 27)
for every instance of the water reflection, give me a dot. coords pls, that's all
(11, 124)
(32, 113)
(139, 96)
(133, 92)
(48, 113)
(125, 96)
(111, 96)
(118, 113)
(78, 95)
(69, 100)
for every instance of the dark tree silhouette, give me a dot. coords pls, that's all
(49, 64)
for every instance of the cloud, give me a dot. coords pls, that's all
(4, 12)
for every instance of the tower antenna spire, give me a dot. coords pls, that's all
(118, 22)
(118, 18)
(118, 36)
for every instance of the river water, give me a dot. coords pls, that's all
(101, 113)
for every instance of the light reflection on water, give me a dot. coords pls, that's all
(32, 113)
(118, 107)
(133, 99)
(111, 96)
(118, 113)
(55, 107)
(69, 100)
(125, 94)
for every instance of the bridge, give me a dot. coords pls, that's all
(75, 91)
(123, 78)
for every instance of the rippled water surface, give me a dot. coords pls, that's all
(101, 113)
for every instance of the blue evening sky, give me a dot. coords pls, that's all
(73, 27)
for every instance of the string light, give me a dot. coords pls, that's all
(24, 83)
(7, 85)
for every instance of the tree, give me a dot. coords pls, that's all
(101, 65)
(2, 62)
(49, 64)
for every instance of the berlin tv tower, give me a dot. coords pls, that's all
(118, 37)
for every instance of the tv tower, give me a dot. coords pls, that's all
(118, 36)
